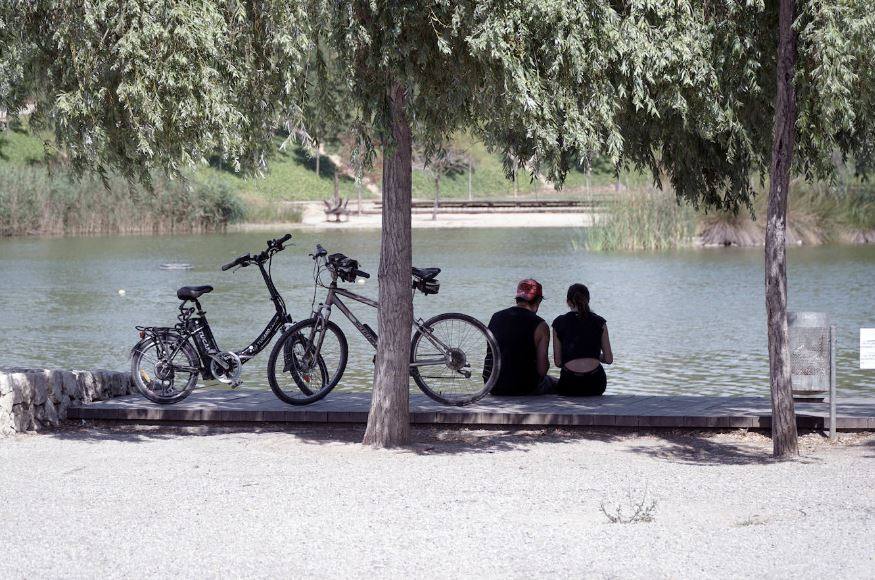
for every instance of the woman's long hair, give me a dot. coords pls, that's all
(578, 298)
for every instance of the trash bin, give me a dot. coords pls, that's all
(812, 358)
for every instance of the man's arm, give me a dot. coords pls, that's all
(542, 343)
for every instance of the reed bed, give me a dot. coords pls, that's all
(642, 220)
(653, 220)
(35, 202)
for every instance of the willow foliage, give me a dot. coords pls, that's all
(682, 88)
(142, 84)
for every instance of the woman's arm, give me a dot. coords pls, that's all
(607, 356)
(557, 350)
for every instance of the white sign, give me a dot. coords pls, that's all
(867, 348)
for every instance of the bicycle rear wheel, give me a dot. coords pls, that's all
(167, 374)
(456, 360)
(297, 375)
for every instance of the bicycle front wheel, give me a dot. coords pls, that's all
(307, 361)
(454, 359)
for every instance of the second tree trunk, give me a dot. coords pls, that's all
(784, 436)
(389, 418)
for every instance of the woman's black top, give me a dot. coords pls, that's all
(580, 335)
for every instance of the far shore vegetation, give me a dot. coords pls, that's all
(649, 219)
(39, 197)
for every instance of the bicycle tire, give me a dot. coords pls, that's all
(141, 377)
(300, 331)
(435, 393)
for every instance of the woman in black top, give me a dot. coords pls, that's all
(580, 346)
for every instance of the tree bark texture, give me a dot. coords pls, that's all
(389, 418)
(784, 436)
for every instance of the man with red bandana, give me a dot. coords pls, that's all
(523, 340)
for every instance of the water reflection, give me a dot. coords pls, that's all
(688, 321)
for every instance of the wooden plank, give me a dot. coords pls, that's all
(676, 411)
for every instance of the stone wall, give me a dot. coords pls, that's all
(37, 399)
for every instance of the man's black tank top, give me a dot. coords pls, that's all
(514, 329)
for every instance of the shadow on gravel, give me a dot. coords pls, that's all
(696, 448)
(424, 440)
(443, 441)
(686, 447)
(100, 431)
(440, 440)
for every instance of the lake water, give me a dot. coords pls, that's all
(690, 321)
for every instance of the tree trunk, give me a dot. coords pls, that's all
(389, 419)
(318, 155)
(515, 171)
(470, 192)
(784, 438)
(437, 195)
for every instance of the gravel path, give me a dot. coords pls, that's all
(102, 501)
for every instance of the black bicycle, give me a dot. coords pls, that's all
(167, 361)
(454, 358)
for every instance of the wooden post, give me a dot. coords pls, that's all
(832, 383)
(784, 434)
(389, 417)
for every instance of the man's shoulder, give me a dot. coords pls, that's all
(515, 313)
(502, 313)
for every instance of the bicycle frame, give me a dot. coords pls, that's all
(324, 313)
(197, 328)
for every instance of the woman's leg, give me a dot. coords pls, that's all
(598, 382)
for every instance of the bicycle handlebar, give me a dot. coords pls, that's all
(242, 260)
(278, 243)
(273, 246)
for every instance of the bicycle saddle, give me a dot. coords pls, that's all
(426, 273)
(192, 292)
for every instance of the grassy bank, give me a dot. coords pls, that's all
(34, 202)
(291, 174)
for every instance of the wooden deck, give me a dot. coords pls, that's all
(611, 410)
